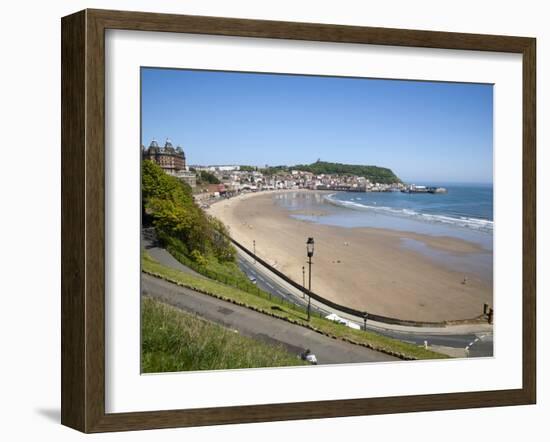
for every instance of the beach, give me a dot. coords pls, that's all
(371, 269)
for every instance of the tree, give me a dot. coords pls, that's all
(169, 203)
(207, 177)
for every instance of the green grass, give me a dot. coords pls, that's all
(227, 272)
(173, 340)
(259, 300)
(274, 307)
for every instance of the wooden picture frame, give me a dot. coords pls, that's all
(83, 220)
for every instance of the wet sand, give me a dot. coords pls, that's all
(364, 268)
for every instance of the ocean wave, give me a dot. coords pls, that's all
(460, 221)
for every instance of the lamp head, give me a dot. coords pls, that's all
(310, 247)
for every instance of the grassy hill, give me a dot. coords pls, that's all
(374, 173)
(173, 340)
(195, 239)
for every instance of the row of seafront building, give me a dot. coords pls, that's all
(234, 179)
(237, 179)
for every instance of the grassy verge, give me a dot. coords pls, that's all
(227, 272)
(173, 340)
(287, 312)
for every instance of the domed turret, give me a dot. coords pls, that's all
(168, 146)
(153, 147)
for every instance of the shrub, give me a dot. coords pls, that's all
(198, 258)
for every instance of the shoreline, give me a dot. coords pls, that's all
(362, 267)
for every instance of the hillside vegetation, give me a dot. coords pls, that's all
(173, 340)
(205, 177)
(168, 204)
(194, 238)
(375, 174)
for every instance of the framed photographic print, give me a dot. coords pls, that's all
(268, 220)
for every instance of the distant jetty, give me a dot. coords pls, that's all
(423, 189)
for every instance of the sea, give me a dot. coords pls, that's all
(464, 212)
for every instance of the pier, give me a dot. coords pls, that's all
(424, 189)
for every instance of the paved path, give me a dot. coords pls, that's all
(259, 326)
(161, 255)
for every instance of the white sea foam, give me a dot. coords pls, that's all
(461, 221)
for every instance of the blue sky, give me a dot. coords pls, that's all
(423, 131)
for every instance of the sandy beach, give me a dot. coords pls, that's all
(364, 268)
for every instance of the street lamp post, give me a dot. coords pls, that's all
(303, 281)
(310, 248)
